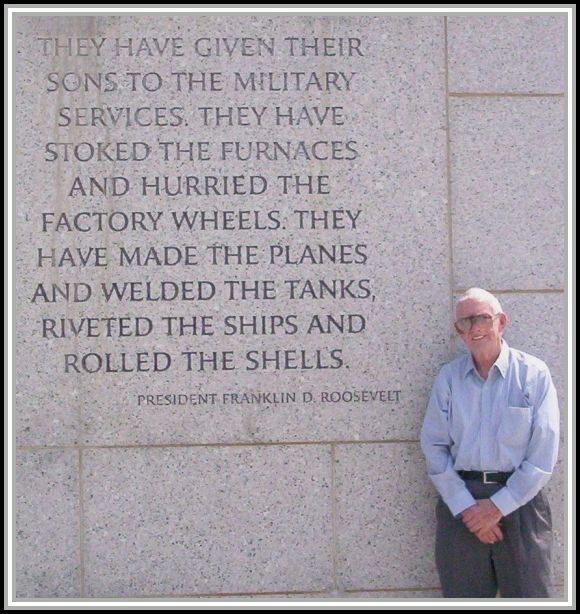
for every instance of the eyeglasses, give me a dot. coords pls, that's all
(464, 325)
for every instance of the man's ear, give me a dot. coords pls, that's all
(503, 321)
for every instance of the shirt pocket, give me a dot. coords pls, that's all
(515, 426)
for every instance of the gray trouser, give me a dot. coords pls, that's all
(519, 566)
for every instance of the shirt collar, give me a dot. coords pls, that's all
(501, 362)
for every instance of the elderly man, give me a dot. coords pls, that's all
(490, 437)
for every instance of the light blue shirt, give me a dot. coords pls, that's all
(508, 422)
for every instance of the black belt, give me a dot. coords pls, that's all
(487, 477)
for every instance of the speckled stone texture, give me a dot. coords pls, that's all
(385, 517)
(300, 498)
(176, 521)
(46, 548)
(507, 53)
(508, 174)
(418, 595)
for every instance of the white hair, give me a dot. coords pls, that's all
(481, 295)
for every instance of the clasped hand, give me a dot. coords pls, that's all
(482, 519)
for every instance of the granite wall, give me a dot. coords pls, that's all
(237, 243)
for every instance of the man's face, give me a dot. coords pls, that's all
(484, 336)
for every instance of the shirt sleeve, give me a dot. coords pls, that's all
(541, 454)
(436, 444)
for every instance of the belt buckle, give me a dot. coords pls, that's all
(485, 479)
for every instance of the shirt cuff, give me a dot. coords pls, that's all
(504, 501)
(461, 501)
